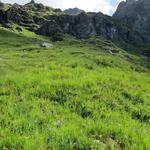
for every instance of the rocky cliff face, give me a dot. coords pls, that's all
(81, 26)
(130, 23)
(85, 25)
(135, 13)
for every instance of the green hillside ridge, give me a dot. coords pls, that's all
(80, 94)
(34, 9)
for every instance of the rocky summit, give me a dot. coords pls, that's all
(130, 23)
(135, 13)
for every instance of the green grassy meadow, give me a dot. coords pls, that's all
(74, 96)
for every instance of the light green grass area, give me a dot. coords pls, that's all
(78, 95)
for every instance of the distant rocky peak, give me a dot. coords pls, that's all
(32, 2)
(73, 11)
(33, 5)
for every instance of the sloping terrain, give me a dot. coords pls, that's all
(70, 87)
(80, 94)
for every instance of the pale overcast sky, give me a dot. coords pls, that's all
(105, 6)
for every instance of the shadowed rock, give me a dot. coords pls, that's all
(2, 16)
(135, 13)
(130, 23)
(49, 28)
(19, 15)
(85, 25)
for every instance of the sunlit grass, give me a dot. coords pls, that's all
(76, 95)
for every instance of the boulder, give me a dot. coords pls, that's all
(8, 25)
(46, 45)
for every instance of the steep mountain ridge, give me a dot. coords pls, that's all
(44, 20)
(135, 13)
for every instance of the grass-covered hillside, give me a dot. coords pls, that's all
(78, 95)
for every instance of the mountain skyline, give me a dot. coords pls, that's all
(105, 6)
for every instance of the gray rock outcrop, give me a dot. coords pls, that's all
(135, 13)
(49, 28)
(46, 45)
(130, 23)
(85, 25)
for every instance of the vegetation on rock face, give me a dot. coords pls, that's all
(86, 94)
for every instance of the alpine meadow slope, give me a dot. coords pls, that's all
(89, 93)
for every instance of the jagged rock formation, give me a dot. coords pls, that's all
(126, 25)
(19, 15)
(85, 25)
(135, 13)
(29, 14)
(134, 30)
(73, 11)
(34, 6)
